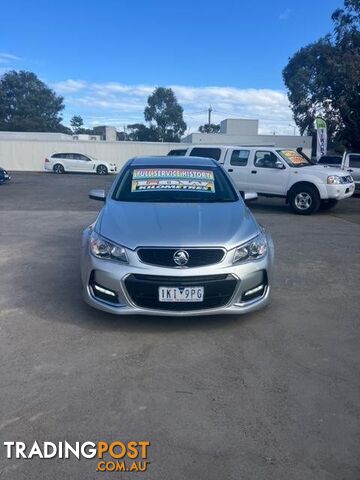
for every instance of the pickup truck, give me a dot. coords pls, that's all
(280, 172)
(351, 164)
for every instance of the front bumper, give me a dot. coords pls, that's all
(133, 284)
(341, 191)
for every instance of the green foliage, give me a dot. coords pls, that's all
(165, 115)
(28, 105)
(77, 123)
(323, 79)
(142, 133)
(77, 126)
(212, 128)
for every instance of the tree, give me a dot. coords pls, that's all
(209, 128)
(141, 133)
(28, 105)
(323, 79)
(165, 115)
(77, 123)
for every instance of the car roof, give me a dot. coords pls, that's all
(233, 145)
(175, 161)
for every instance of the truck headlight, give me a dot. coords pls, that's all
(333, 180)
(253, 250)
(102, 248)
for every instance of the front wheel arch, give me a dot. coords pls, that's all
(308, 188)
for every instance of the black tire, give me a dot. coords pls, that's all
(304, 199)
(58, 168)
(102, 170)
(328, 204)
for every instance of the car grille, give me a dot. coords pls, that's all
(347, 179)
(164, 257)
(144, 291)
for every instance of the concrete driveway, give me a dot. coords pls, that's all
(271, 395)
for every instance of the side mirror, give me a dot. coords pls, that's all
(279, 165)
(248, 196)
(97, 194)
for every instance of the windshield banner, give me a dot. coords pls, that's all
(147, 179)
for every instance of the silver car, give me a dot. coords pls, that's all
(175, 238)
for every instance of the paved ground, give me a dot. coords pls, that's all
(272, 395)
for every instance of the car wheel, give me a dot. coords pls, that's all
(328, 204)
(102, 170)
(304, 200)
(58, 168)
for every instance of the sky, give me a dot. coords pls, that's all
(106, 57)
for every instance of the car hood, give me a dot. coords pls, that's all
(176, 225)
(322, 169)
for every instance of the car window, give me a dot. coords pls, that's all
(174, 185)
(354, 161)
(206, 152)
(177, 153)
(330, 161)
(265, 159)
(294, 159)
(58, 155)
(239, 158)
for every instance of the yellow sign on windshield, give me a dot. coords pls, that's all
(294, 157)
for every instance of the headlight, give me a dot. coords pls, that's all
(333, 180)
(102, 248)
(252, 250)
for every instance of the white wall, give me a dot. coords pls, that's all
(239, 126)
(29, 155)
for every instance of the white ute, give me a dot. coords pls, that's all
(281, 172)
(351, 163)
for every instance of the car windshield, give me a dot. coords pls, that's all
(174, 185)
(293, 158)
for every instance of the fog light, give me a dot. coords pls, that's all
(253, 293)
(104, 290)
(103, 293)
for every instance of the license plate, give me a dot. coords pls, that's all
(181, 294)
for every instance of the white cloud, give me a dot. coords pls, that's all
(118, 104)
(8, 58)
(70, 86)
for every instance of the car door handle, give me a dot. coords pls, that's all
(253, 171)
(230, 169)
(350, 170)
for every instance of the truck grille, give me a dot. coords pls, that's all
(164, 257)
(144, 291)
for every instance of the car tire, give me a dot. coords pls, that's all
(328, 204)
(304, 199)
(102, 170)
(58, 168)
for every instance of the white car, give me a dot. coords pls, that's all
(281, 172)
(77, 162)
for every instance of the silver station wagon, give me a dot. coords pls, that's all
(175, 238)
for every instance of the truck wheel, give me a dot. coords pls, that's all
(328, 204)
(102, 170)
(58, 168)
(304, 200)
